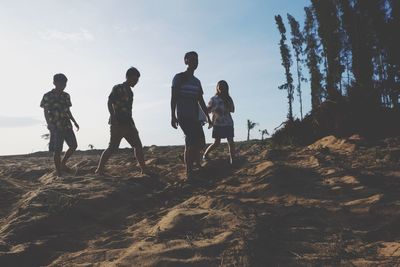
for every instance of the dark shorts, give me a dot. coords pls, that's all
(57, 138)
(129, 132)
(194, 134)
(222, 132)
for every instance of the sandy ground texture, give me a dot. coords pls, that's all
(334, 203)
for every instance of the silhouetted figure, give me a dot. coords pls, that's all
(221, 105)
(121, 122)
(56, 105)
(186, 96)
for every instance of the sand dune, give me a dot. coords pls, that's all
(332, 203)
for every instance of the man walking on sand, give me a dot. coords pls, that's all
(121, 121)
(56, 104)
(186, 96)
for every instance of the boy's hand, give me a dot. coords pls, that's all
(174, 122)
(77, 126)
(114, 120)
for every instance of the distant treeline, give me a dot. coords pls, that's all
(351, 49)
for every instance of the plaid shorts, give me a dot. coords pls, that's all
(129, 132)
(57, 138)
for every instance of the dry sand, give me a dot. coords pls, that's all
(334, 203)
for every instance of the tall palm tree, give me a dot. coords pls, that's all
(286, 63)
(297, 43)
(250, 126)
(263, 132)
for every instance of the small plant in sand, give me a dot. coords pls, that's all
(45, 136)
(91, 147)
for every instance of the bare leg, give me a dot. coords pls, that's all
(198, 162)
(103, 160)
(67, 155)
(115, 140)
(135, 142)
(140, 157)
(232, 151)
(217, 142)
(189, 160)
(57, 162)
(197, 155)
(202, 147)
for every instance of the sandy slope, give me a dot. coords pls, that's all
(333, 203)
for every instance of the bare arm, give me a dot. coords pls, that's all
(111, 110)
(46, 116)
(204, 108)
(210, 106)
(73, 119)
(174, 120)
(110, 107)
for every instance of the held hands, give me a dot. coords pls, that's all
(174, 122)
(210, 124)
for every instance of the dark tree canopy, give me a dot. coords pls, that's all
(297, 44)
(313, 58)
(351, 49)
(286, 63)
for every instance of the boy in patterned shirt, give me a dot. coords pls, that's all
(121, 122)
(56, 104)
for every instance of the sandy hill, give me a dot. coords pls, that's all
(336, 202)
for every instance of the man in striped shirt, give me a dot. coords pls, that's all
(186, 96)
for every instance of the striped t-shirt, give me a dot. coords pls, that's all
(188, 90)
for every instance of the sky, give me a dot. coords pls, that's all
(94, 42)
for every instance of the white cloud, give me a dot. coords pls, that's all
(16, 122)
(125, 29)
(81, 35)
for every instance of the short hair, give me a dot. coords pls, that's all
(191, 53)
(132, 71)
(59, 77)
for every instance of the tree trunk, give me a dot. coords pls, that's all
(299, 89)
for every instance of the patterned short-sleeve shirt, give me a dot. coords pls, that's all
(221, 115)
(121, 98)
(57, 104)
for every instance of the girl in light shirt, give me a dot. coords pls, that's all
(221, 106)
